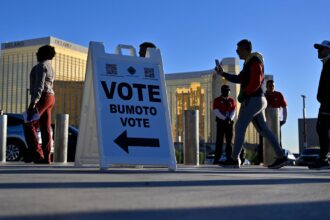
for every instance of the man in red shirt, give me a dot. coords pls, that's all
(275, 99)
(224, 108)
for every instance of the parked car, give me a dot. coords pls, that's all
(290, 156)
(309, 156)
(16, 140)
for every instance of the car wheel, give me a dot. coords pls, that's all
(14, 150)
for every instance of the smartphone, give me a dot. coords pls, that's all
(217, 63)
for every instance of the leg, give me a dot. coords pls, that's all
(322, 128)
(44, 108)
(34, 151)
(45, 123)
(246, 113)
(242, 156)
(219, 142)
(229, 139)
(260, 150)
(259, 122)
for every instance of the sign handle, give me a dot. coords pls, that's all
(128, 47)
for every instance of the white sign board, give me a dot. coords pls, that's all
(124, 112)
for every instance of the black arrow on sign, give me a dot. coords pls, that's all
(124, 142)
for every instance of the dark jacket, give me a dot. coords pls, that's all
(323, 93)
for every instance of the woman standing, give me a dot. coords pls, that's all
(42, 99)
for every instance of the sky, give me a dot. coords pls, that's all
(191, 34)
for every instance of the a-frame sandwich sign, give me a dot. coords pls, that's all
(124, 116)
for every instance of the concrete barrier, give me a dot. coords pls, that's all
(273, 123)
(3, 137)
(61, 138)
(191, 137)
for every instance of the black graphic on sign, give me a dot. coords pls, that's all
(149, 72)
(124, 142)
(111, 69)
(131, 70)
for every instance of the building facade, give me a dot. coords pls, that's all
(312, 138)
(185, 91)
(16, 61)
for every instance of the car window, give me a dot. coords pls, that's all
(14, 121)
(311, 151)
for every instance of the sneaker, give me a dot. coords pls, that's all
(229, 163)
(320, 165)
(279, 162)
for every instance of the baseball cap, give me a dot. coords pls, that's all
(225, 88)
(324, 43)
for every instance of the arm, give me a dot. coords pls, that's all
(232, 115)
(285, 114)
(284, 108)
(218, 114)
(231, 77)
(38, 86)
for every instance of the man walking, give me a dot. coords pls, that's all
(253, 103)
(323, 96)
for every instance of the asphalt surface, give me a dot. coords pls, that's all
(206, 192)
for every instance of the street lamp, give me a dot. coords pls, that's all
(304, 122)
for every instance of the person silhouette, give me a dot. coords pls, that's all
(143, 48)
(42, 101)
(323, 97)
(253, 103)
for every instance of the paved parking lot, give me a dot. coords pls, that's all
(205, 192)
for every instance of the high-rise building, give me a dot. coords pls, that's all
(188, 90)
(16, 61)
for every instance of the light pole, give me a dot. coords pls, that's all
(304, 121)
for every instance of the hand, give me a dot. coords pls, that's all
(219, 70)
(30, 110)
(228, 120)
(282, 123)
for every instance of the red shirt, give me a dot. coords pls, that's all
(224, 105)
(275, 99)
(255, 78)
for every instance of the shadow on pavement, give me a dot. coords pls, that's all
(182, 183)
(282, 211)
(44, 169)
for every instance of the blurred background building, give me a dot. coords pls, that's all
(185, 90)
(16, 61)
